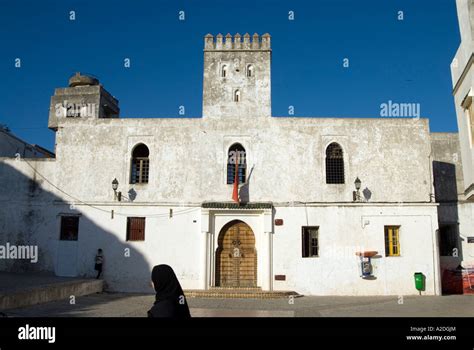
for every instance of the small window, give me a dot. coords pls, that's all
(135, 229)
(236, 155)
(250, 71)
(392, 241)
(448, 239)
(140, 165)
(69, 228)
(310, 242)
(334, 164)
(224, 71)
(237, 95)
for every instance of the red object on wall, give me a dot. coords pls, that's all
(278, 222)
(367, 254)
(458, 281)
(468, 281)
(235, 192)
(280, 277)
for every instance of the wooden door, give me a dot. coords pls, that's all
(236, 256)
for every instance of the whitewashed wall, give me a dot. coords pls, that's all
(463, 83)
(181, 242)
(345, 230)
(188, 167)
(188, 158)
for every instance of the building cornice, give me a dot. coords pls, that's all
(468, 191)
(464, 73)
(237, 50)
(249, 206)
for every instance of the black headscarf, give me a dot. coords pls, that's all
(169, 300)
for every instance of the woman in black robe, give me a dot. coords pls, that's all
(170, 300)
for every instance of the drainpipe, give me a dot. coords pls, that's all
(270, 238)
(206, 259)
(432, 190)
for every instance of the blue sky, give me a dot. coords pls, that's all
(403, 61)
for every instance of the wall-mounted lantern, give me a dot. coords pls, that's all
(356, 194)
(117, 194)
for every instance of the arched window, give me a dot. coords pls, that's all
(140, 164)
(250, 71)
(237, 95)
(236, 156)
(224, 71)
(334, 164)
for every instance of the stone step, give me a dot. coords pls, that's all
(241, 289)
(238, 293)
(15, 298)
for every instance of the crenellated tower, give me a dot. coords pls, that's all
(237, 76)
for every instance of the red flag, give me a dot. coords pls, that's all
(235, 193)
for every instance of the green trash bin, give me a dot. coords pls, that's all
(419, 281)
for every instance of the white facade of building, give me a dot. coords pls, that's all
(187, 200)
(463, 82)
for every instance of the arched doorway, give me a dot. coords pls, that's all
(236, 256)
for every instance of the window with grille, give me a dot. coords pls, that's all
(140, 165)
(236, 155)
(135, 229)
(392, 240)
(334, 164)
(310, 241)
(69, 228)
(448, 239)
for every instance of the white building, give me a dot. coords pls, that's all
(299, 223)
(13, 146)
(463, 91)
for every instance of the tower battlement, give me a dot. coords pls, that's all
(237, 42)
(237, 76)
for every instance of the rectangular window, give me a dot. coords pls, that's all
(310, 244)
(392, 241)
(448, 239)
(140, 170)
(135, 229)
(69, 228)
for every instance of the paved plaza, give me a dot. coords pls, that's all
(133, 305)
